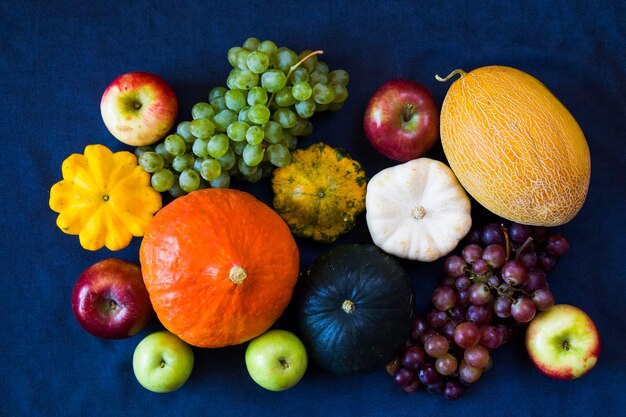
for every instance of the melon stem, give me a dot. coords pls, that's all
(452, 74)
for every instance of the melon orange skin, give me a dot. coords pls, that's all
(186, 257)
(514, 147)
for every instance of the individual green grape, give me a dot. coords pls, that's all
(253, 154)
(218, 145)
(279, 155)
(339, 77)
(255, 176)
(200, 147)
(310, 63)
(141, 149)
(236, 131)
(161, 150)
(223, 119)
(255, 135)
(341, 93)
(303, 127)
(237, 147)
(235, 100)
(228, 160)
(285, 59)
(198, 163)
(273, 132)
(218, 104)
(217, 92)
(202, 109)
(273, 80)
(285, 118)
(242, 59)
(150, 161)
(232, 55)
(300, 74)
(321, 107)
(183, 129)
(269, 48)
(306, 108)
(245, 79)
(222, 181)
(257, 95)
(202, 128)
(259, 114)
(243, 115)
(162, 180)
(284, 97)
(290, 142)
(174, 145)
(175, 191)
(251, 44)
(323, 94)
(245, 169)
(321, 67)
(183, 162)
(258, 62)
(189, 180)
(210, 169)
(301, 90)
(318, 77)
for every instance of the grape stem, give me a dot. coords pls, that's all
(527, 242)
(507, 243)
(293, 68)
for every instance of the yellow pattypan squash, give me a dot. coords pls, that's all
(320, 193)
(105, 198)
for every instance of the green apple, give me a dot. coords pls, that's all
(563, 342)
(276, 360)
(162, 362)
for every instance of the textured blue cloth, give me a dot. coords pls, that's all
(56, 59)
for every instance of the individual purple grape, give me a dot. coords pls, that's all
(447, 331)
(502, 307)
(436, 388)
(417, 327)
(542, 298)
(453, 390)
(463, 298)
(546, 262)
(480, 267)
(466, 334)
(412, 387)
(436, 346)
(447, 282)
(539, 234)
(556, 245)
(518, 233)
(444, 298)
(404, 377)
(468, 373)
(492, 233)
(494, 255)
(523, 309)
(462, 283)
(457, 313)
(471, 253)
(446, 364)
(455, 266)
(413, 357)
(528, 258)
(436, 319)
(505, 331)
(479, 293)
(535, 279)
(475, 236)
(494, 281)
(428, 374)
(491, 337)
(426, 334)
(476, 356)
(479, 315)
(514, 272)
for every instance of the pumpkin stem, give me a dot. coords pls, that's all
(452, 74)
(418, 212)
(348, 306)
(237, 274)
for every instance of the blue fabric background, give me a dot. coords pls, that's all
(56, 58)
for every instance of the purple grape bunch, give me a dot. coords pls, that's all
(494, 286)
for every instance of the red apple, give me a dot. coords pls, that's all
(563, 342)
(402, 120)
(110, 299)
(139, 108)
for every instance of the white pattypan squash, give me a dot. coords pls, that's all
(417, 210)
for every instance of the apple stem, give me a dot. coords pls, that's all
(284, 363)
(112, 305)
(565, 345)
(408, 113)
(293, 68)
(452, 74)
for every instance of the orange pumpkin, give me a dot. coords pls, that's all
(220, 267)
(514, 147)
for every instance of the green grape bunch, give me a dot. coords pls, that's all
(251, 125)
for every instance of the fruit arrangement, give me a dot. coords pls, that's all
(217, 267)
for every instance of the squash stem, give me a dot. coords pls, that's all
(452, 74)
(348, 306)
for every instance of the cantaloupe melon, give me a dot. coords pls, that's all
(514, 147)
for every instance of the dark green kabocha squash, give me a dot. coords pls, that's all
(354, 307)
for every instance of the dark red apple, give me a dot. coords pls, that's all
(110, 299)
(402, 120)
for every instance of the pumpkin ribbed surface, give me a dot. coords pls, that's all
(514, 147)
(220, 267)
